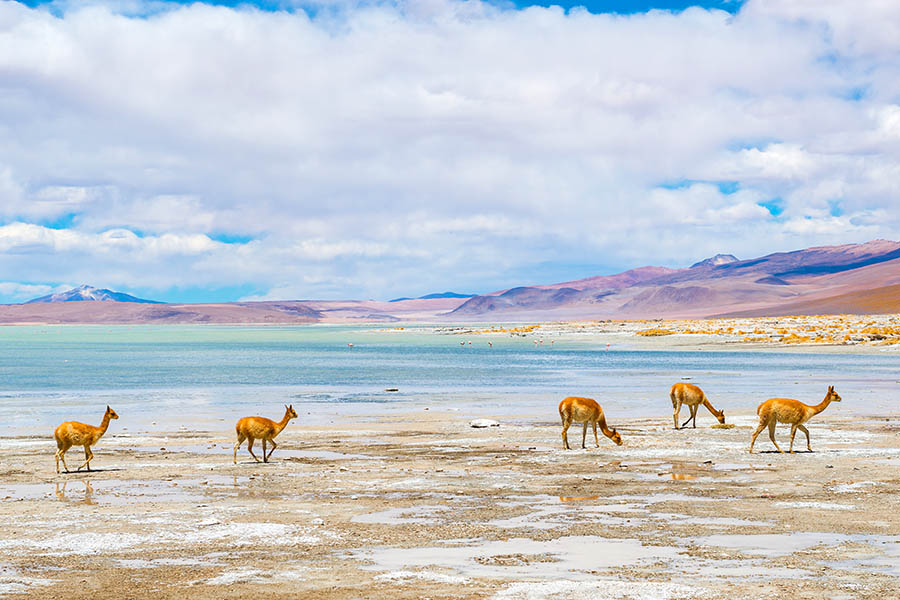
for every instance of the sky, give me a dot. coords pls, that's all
(364, 149)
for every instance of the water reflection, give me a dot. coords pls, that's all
(88, 493)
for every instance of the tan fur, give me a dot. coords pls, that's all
(261, 428)
(788, 410)
(72, 433)
(585, 410)
(693, 397)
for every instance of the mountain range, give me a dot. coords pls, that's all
(846, 278)
(850, 278)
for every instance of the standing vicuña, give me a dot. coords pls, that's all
(585, 410)
(787, 410)
(261, 428)
(686, 393)
(72, 433)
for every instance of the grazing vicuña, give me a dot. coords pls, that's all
(686, 393)
(585, 410)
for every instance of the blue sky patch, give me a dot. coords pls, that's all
(725, 187)
(230, 238)
(624, 7)
(774, 206)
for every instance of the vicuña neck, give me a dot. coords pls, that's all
(822, 405)
(104, 424)
(284, 421)
(711, 408)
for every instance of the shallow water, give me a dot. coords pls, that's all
(212, 375)
(571, 557)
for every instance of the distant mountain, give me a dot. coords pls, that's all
(86, 293)
(715, 261)
(434, 296)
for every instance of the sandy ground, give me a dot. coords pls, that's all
(421, 505)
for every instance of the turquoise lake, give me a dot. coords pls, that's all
(48, 372)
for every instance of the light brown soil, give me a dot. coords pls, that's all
(421, 505)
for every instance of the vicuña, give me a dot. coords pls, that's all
(261, 428)
(787, 410)
(585, 410)
(693, 397)
(72, 433)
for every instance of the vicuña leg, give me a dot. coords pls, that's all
(772, 434)
(61, 455)
(265, 457)
(566, 423)
(584, 434)
(238, 445)
(675, 412)
(762, 425)
(793, 433)
(88, 455)
(274, 445)
(806, 431)
(596, 439)
(250, 449)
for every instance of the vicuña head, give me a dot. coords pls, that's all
(73, 433)
(261, 428)
(585, 410)
(788, 410)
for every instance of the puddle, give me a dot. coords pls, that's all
(227, 450)
(882, 555)
(727, 522)
(772, 544)
(92, 490)
(732, 467)
(820, 505)
(731, 569)
(60, 540)
(405, 576)
(402, 516)
(546, 513)
(613, 589)
(567, 557)
(659, 498)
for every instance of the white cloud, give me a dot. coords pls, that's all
(394, 149)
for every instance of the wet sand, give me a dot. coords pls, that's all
(416, 504)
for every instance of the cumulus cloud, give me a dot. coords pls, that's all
(384, 149)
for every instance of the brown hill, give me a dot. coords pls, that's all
(878, 301)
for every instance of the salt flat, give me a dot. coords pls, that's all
(416, 503)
